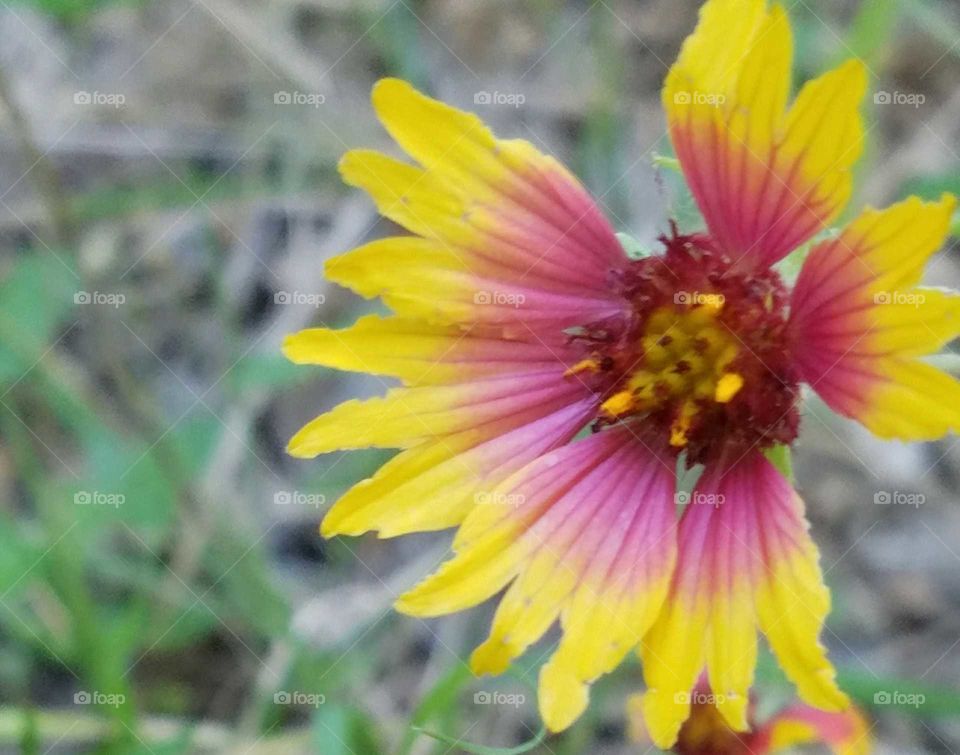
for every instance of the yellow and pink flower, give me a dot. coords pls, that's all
(706, 732)
(519, 322)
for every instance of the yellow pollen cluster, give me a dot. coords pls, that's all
(685, 358)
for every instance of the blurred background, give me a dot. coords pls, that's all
(168, 194)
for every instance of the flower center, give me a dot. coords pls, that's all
(686, 360)
(699, 363)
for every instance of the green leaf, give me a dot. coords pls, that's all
(665, 161)
(396, 34)
(194, 440)
(439, 699)
(869, 34)
(683, 208)
(932, 187)
(35, 296)
(789, 267)
(482, 749)
(178, 745)
(188, 628)
(124, 484)
(120, 201)
(245, 589)
(272, 371)
(781, 458)
(343, 730)
(17, 552)
(74, 10)
(633, 248)
(891, 693)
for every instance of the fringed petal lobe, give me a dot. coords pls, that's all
(583, 534)
(766, 177)
(421, 354)
(859, 321)
(435, 484)
(406, 416)
(506, 234)
(745, 562)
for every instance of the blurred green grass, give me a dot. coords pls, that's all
(86, 592)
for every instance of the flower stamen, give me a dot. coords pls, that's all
(699, 361)
(685, 356)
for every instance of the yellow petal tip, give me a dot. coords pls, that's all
(664, 714)
(733, 708)
(827, 696)
(404, 605)
(331, 526)
(492, 657)
(415, 602)
(563, 697)
(856, 70)
(291, 348)
(387, 86)
(298, 451)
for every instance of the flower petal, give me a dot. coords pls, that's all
(859, 321)
(421, 354)
(530, 189)
(846, 732)
(406, 416)
(704, 731)
(508, 235)
(437, 483)
(615, 605)
(745, 561)
(584, 533)
(766, 178)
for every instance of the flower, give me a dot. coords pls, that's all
(706, 732)
(519, 321)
